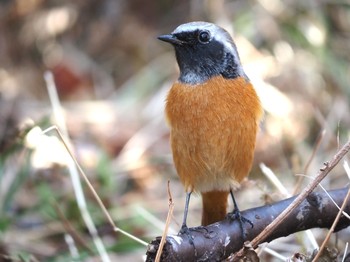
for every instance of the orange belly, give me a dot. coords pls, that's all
(213, 132)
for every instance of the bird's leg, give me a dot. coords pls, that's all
(236, 214)
(184, 229)
(184, 221)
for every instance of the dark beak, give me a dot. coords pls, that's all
(171, 39)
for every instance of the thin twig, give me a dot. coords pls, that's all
(274, 179)
(330, 197)
(217, 241)
(92, 189)
(345, 251)
(331, 230)
(274, 254)
(328, 166)
(346, 168)
(306, 168)
(71, 246)
(78, 190)
(153, 220)
(341, 212)
(70, 229)
(338, 136)
(168, 219)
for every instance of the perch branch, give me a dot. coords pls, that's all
(323, 172)
(217, 241)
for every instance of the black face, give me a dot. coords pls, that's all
(200, 55)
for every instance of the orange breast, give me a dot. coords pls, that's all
(213, 132)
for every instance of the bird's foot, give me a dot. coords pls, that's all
(236, 215)
(186, 231)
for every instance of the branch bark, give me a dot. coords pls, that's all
(217, 241)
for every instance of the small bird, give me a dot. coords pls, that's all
(213, 112)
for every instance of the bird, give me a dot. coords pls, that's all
(214, 115)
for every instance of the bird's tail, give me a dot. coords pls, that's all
(214, 206)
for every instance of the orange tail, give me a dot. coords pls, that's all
(214, 206)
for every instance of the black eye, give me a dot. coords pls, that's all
(204, 37)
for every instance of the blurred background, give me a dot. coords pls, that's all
(112, 75)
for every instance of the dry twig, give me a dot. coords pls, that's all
(336, 220)
(217, 241)
(92, 189)
(168, 219)
(328, 166)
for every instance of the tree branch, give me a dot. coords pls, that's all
(217, 241)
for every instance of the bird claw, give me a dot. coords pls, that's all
(236, 215)
(186, 231)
